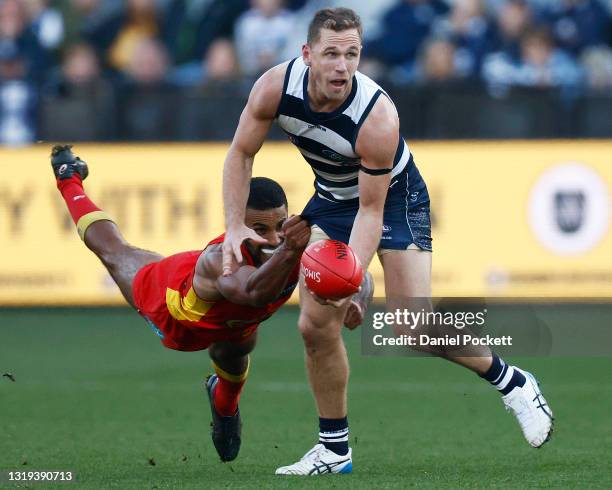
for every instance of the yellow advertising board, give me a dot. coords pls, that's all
(517, 219)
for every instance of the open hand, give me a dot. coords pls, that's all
(231, 245)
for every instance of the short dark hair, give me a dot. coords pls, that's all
(265, 194)
(337, 19)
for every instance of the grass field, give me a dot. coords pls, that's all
(95, 393)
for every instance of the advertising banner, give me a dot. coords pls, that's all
(510, 219)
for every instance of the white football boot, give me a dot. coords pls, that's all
(318, 461)
(532, 412)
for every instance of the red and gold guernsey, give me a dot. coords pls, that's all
(164, 295)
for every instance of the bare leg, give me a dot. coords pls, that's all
(231, 357)
(326, 358)
(407, 276)
(121, 259)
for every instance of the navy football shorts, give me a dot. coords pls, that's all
(406, 220)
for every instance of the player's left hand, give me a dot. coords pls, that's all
(354, 315)
(296, 233)
(360, 301)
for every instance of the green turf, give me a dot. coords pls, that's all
(96, 393)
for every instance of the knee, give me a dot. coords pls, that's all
(319, 333)
(222, 351)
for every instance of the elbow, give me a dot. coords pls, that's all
(237, 153)
(260, 300)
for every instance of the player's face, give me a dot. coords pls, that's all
(267, 224)
(333, 61)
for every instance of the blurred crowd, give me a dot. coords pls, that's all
(65, 47)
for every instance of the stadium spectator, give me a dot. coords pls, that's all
(46, 22)
(78, 92)
(82, 17)
(148, 65)
(597, 62)
(15, 33)
(118, 36)
(513, 19)
(438, 62)
(80, 65)
(221, 61)
(404, 27)
(220, 65)
(578, 24)
(494, 6)
(216, 20)
(147, 95)
(261, 34)
(541, 65)
(80, 73)
(470, 30)
(18, 99)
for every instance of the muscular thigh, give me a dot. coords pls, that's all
(127, 264)
(121, 259)
(407, 273)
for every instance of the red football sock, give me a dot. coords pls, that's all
(77, 201)
(83, 211)
(228, 389)
(227, 394)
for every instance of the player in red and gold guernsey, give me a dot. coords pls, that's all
(186, 298)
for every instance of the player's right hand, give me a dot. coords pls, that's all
(231, 245)
(336, 303)
(296, 233)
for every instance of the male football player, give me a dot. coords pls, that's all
(368, 193)
(186, 299)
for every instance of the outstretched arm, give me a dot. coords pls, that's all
(249, 285)
(253, 127)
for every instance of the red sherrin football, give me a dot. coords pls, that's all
(331, 269)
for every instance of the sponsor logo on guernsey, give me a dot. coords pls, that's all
(310, 274)
(316, 126)
(332, 155)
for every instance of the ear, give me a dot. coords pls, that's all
(306, 54)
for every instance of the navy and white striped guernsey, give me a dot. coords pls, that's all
(327, 139)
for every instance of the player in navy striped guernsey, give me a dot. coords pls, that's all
(368, 193)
